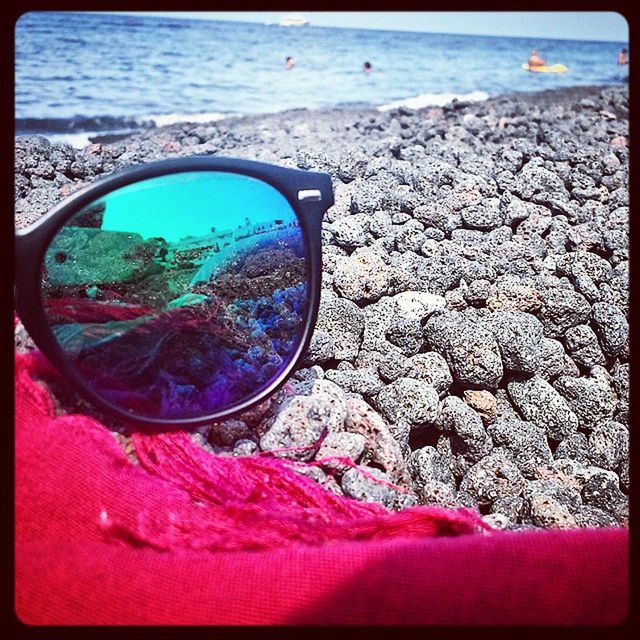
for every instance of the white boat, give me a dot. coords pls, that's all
(294, 20)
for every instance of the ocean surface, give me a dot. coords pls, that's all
(83, 74)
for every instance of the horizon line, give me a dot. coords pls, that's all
(180, 17)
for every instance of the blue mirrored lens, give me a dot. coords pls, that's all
(179, 296)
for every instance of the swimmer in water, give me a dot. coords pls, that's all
(535, 60)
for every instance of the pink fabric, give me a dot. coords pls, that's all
(190, 538)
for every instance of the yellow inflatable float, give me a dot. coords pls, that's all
(554, 68)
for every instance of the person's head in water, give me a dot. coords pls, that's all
(366, 67)
(622, 57)
(289, 62)
(535, 60)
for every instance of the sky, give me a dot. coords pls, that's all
(572, 25)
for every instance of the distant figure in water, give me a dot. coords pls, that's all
(622, 57)
(366, 67)
(535, 60)
(289, 62)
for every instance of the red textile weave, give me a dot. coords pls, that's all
(190, 538)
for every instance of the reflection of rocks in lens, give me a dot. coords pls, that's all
(259, 274)
(268, 261)
(176, 328)
(80, 255)
(158, 290)
(202, 355)
(90, 216)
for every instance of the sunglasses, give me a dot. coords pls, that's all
(178, 292)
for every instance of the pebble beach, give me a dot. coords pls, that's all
(472, 344)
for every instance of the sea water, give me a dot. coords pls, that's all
(79, 74)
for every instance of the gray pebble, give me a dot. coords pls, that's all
(620, 376)
(458, 417)
(410, 236)
(574, 446)
(352, 165)
(562, 309)
(341, 444)
(477, 292)
(589, 517)
(526, 443)
(566, 496)
(484, 216)
(344, 322)
(577, 262)
(303, 419)
(406, 334)
(321, 348)
(609, 445)
(378, 318)
(363, 276)
(470, 351)
(438, 216)
(541, 404)
(465, 499)
(363, 381)
(456, 300)
(550, 514)
(551, 358)
(410, 400)
(438, 493)
(591, 398)
(350, 232)
(431, 368)
(320, 477)
(510, 506)
(582, 345)
(505, 410)
(380, 224)
(611, 326)
(429, 470)
(368, 197)
(519, 336)
(493, 478)
(245, 448)
(516, 210)
(602, 491)
(368, 485)
(534, 179)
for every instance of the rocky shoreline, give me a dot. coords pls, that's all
(472, 345)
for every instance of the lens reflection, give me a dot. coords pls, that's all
(179, 296)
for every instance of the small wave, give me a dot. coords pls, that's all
(73, 41)
(77, 140)
(164, 119)
(434, 100)
(176, 26)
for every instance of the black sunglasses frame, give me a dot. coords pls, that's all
(310, 194)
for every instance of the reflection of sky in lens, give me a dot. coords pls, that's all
(190, 204)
